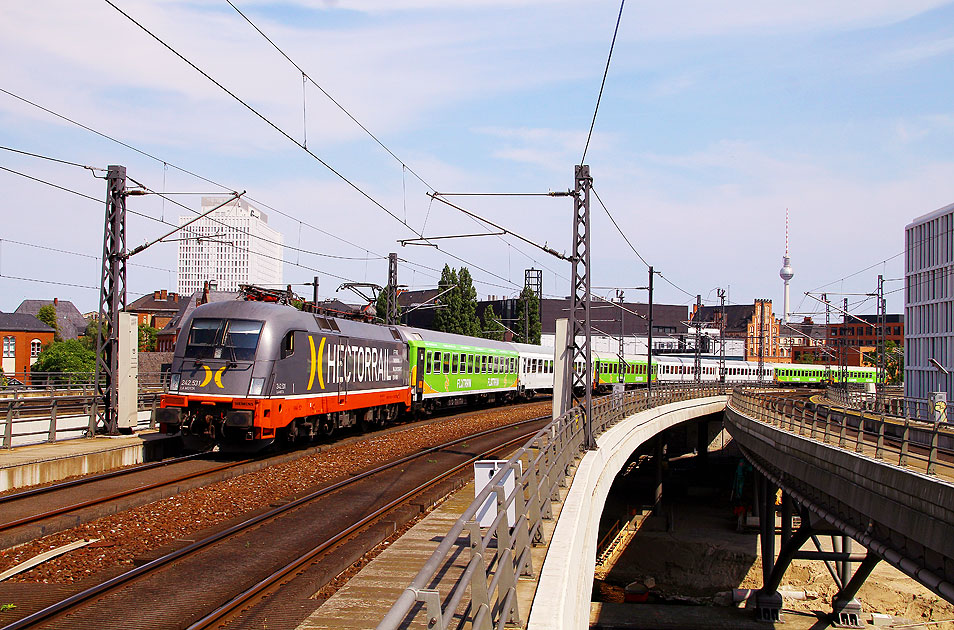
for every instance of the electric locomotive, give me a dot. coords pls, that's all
(248, 374)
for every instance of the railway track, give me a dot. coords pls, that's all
(47, 509)
(205, 581)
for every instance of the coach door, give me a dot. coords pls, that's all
(419, 385)
(348, 371)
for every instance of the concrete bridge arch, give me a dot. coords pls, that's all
(565, 585)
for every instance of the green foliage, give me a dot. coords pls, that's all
(147, 338)
(893, 362)
(381, 306)
(458, 314)
(47, 315)
(492, 329)
(89, 335)
(527, 327)
(70, 357)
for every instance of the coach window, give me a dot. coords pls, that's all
(428, 363)
(456, 365)
(437, 363)
(447, 363)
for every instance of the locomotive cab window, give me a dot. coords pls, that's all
(229, 339)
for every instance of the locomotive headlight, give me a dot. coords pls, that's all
(174, 382)
(255, 389)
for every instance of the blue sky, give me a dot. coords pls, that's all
(716, 117)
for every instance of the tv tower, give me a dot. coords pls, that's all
(786, 272)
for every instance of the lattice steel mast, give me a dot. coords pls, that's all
(581, 380)
(112, 300)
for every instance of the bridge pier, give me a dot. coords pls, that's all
(846, 609)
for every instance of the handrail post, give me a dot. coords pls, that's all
(8, 431)
(879, 449)
(905, 438)
(932, 456)
(52, 435)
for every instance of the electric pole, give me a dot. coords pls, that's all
(828, 336)
(314, 291)
(721, 293)
(580, 301)
(844, 349)
(697, 362)
(760, 305)
(112, 300)
(649, 341)
(391, 317)
(882, 379)
(622, 359)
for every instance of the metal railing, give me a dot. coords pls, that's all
(500, 553)
(922, 446)
(25, 384)
(891, 403)
(62, 416)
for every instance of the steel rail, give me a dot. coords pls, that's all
(262, 586)
(93, 478)
(76, 600)
(26, 520)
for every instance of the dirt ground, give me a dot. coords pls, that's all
(702, 558)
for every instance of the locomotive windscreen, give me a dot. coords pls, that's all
(234, 339)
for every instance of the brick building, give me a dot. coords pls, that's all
(155, 309)
(23, 337)
(856, 339)
(742, 321)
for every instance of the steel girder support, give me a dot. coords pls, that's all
(112, 299)
(581, 382)
(392, 316)
(845, 608)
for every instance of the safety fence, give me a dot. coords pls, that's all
(924, 446)
(891, 402)
(36, 419)
(39, 384)
(484, 595)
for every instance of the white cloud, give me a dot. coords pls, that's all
(920, 51)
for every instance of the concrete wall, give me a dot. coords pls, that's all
(566, 579)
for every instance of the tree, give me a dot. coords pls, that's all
(88, 339)
(458, 312)
(470, 324)
(446, 317)
(147, 338)
(527, 325)
(47, 315)
(893, 362)
(67, 358)
(492, 329)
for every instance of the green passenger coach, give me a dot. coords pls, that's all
(448, 370)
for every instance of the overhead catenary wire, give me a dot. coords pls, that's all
(191, 173)
(609, 57)
(635, 251)
(264, 118)
(404, 165)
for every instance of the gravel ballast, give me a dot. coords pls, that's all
(126, 536)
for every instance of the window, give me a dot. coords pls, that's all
(456, 365)
(9, 347)
(429, 363)
(447, 363)
(470, 363)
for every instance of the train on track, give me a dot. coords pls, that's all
(248, 374)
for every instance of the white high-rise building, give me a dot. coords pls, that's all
(234, 245)
(929, 304)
